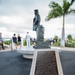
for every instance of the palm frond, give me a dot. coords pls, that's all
(67, 5)
(53, 14)
(71, 11)
(72, 1)
(56, 10)
(54, 5)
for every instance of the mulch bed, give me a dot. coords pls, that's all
(46, 63)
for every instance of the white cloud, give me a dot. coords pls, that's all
(6, 33)
(11, 20)
(19, 19)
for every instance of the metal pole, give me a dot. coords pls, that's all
(11, 44)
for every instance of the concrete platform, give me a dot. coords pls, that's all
(26, 51)
(29, 51)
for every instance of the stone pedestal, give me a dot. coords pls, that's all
(40, 44)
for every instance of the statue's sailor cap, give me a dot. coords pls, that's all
(36, 10)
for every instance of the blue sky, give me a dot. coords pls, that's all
(16, 16)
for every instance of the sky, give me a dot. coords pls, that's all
(16, 16)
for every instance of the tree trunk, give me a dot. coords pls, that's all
(63, 33)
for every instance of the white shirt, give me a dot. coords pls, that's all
(27, 37)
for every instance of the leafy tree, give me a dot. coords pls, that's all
(24, 42)
(56, 38)
(69, 37)
(57, 11)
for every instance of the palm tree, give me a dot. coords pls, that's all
(57, 11)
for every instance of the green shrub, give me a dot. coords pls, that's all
(70, 41)
(24, 42)
(7, 42)
(57, 43)
(70, 44)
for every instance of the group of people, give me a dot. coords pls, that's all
(17, 40)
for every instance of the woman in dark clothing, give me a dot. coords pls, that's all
(19, 40)
(14, 38)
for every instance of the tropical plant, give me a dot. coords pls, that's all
(56, 37)
(7, 42)
(24, 42)
(69, 37)
(57, 11)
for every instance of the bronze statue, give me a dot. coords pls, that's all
(36, 20)
(39, 32)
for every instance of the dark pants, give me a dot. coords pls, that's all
(2, 46)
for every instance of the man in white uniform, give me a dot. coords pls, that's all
(28, 39)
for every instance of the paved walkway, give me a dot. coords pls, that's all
(13, 63)
(68, 62)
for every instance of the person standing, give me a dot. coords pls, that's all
(14, 39)
(28, 39)
(1, 41)
(19, 40)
